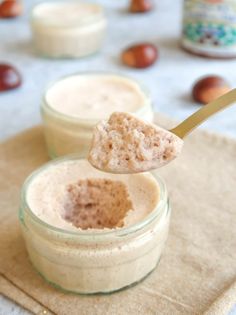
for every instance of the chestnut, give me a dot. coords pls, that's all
(140, 6)
(10, 8)
(140, 55)
(10, 78)
(208, 88)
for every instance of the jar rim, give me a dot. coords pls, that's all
(91, 121)
(94, 18)
(119, 232)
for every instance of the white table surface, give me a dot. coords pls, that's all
(169, 80)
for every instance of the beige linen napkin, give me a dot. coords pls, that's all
(224, 302)
(199, 261)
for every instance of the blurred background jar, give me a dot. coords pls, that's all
(209, 28)
(72, 106)
(68, 29)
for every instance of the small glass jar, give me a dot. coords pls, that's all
(209, 28)
(94, 262)
(66, 134)
(67, 29)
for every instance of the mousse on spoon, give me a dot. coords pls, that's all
(125, 144)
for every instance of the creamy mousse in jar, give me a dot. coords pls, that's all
(90, 231)
(74, 105)
(67, 29)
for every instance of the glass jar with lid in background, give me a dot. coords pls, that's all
(209, 28)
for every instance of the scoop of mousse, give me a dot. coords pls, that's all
(125, 144)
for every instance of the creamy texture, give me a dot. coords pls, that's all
(125, 144)
(82, 97)
(97, 203)
(49, 204)
(94, 260)
(95, 96)
(68, 29)
(65, 13)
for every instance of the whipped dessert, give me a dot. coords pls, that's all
(86, 209)
(126, 144)
(74, 105)
(67, 28)
(89, 231)
(95, 96)
(79, 196)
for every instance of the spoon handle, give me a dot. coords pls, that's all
(184, 128)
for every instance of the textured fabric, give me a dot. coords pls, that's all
(198, 263)
(224, 302)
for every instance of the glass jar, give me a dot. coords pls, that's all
(209, 28)
(66, 134)
(67, 29)
(88, 262)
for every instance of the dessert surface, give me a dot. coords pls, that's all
(89, 96)
(97, 204)
(65, 13)
(81, 197)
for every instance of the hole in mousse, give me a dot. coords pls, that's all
(97, 204)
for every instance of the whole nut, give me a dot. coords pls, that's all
(10, 9)
(140, 56)
(9, 77)
(209, 88)
(140, 6)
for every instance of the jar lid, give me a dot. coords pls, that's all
(66, 13)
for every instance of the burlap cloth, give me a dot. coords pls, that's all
(198, 268)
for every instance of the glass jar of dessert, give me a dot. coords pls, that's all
(209, 28)
(90, 231)
(72, 106)
(67, 29)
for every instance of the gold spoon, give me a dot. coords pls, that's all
(192, 122)
(130, 156)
